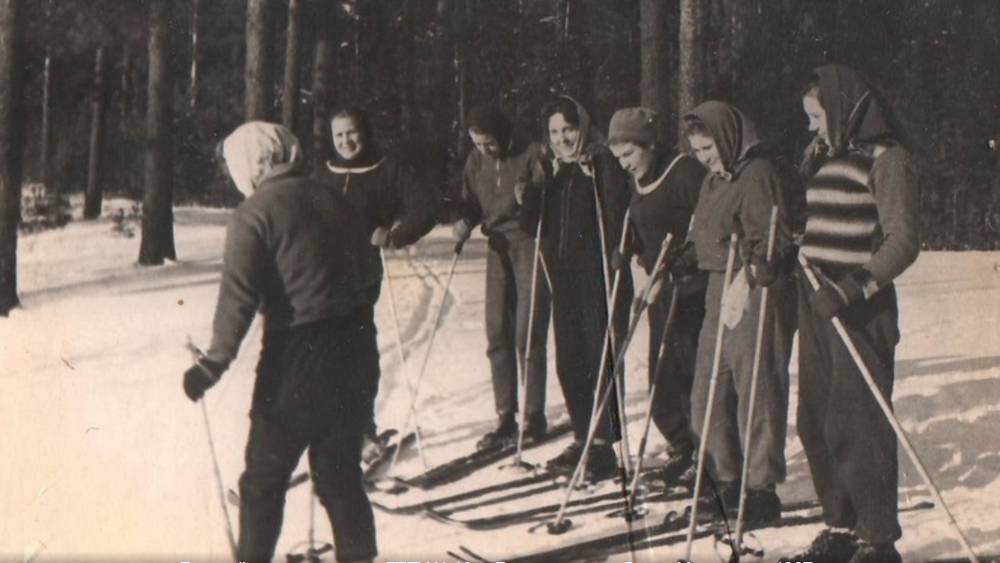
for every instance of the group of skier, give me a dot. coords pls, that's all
(564, 215)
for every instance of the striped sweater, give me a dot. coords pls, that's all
(862, 211)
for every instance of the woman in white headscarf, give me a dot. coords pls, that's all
(583, 186)
(291, 251)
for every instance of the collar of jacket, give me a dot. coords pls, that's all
(353, 169)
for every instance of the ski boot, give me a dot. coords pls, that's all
(505, 434)
(830, 546)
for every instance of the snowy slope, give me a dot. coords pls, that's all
(105, 457)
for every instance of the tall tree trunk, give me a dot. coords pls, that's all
(654, 43)
(406, 83)
(290, 92)
(257, 73)
(195, 8)
(46, 143)
(691, 87)
(460, 33)
(98, 104)
(323, 73)
(11, 154)
(157, 205)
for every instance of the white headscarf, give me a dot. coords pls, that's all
(256, 151)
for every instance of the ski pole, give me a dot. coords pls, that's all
(893, 421)
(197, 354)
(755, 374)
(706, 425)
(529, 337)
(411, 416)
(402, 354)
(672, 311)
(624, 450)
(560, 524)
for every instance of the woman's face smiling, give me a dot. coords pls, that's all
(563, 135)
(346, 137)
(706, 151)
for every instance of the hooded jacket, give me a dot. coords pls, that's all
(291, 246)
(570, 235)
(740, 199)
(863, 201)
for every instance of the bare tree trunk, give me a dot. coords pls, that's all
(157, 205)
(46, 144)
(196, 4)
(257, 73)
(654, 84)
(407, 74)
(10, 152)
(290, 92)
(692, 71)
(127, 85)
(323, 72)
(98, 104)
(460, 27)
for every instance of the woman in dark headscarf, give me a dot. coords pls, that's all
(860, 234)
(737, 196)
(584, 186)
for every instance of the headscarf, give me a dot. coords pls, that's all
(589, 141)
(489, 120)
(257, 151)
(734, 133)
(854, 110)
(370, 153)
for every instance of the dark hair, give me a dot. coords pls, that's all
(488, 119)
(695, 126)
(560, 105)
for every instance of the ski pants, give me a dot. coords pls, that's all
(724, 444)
(580, 320)
(849, 443)
(671, 405)
(508, 303)
(315, 391)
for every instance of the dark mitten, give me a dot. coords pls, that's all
(762, 273)
(201, 377)
(619, 260)
(682, 261)
(831, 298)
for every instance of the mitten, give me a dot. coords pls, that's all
(831, 298)
(619, 260)
(380, 237)
(461, 230)
(201, 377)
(761, 272)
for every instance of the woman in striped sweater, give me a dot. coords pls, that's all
(860, 234)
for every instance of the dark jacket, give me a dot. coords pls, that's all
(291, 251)
(487, 197)
(570, 238)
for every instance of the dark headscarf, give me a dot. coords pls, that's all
(855, 113)
(591, 139)
(734, 133)
(489, 120)
(370, 153)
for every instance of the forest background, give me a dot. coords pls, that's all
(419, 65)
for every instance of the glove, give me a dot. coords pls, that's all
(831, 298)
(201, 377)
(761, 273)
(461, 230)
(619, 260)
(381, 237)
(683, 263)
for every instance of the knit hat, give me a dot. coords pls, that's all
(633, 125)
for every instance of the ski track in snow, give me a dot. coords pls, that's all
(105, 456)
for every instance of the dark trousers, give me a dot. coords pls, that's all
(849, 443)
(508, 303)
(315, 391)
(580, 320)
(671, 406)
(729, 424)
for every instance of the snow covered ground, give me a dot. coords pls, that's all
(104, 458)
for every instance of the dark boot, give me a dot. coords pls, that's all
(678, 469)
(602, 463)
(876, 553)
(762, 507)
(830, 546)
(535, 428)
(716, 503)
(505, 434)
(565, 463)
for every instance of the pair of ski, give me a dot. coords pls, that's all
(669, 532)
